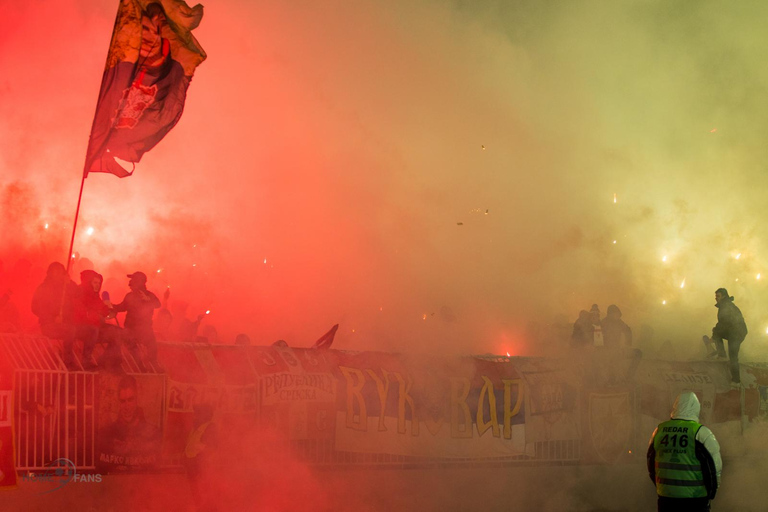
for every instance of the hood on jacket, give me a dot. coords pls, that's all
(87, 275)
(687, 407)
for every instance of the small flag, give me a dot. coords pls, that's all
(326, 339)
(151, 60)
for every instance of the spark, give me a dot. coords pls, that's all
(664, 258)
(738, 256)
(424, 317)
(353, 330)
(664, 303)
(194, 264)
(159, 270)
(265, 261)
(614, 198)
(89, 231)
(46, 225)
(758, 276)
(766, 330)
(207, 311)
(682, 285)
(713, 130)
(508, 354)
(614, 241)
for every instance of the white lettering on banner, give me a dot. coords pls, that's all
(183, 397)
(121, 460)
(700, 383)
(687, 378)
(274, 383)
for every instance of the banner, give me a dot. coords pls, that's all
(429, 407)
(129, 427)
(297, 391)
(150, 64)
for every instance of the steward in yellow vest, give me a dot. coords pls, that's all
(684, 459)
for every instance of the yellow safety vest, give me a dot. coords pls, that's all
(678, 471)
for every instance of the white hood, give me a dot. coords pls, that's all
(687, 407)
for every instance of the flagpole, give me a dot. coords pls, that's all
(74, 226)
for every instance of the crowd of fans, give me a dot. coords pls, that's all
(81, 314)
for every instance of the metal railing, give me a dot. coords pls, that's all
(54, 409)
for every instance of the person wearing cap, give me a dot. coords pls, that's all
(139, 305)
(730, 326)
(684, 460)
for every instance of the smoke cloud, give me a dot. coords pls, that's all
(432, 175)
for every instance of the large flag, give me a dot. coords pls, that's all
(151, 60)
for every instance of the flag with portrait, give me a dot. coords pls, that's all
(151, 60)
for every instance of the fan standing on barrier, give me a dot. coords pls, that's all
(730, 326)
(684, 459)
(89, 313)
(52, 304)
(139, 305)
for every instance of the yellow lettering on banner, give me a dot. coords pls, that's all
(403, 399)
(482, 425)
(509, 411)
(382, 386)
(354, 394)
(458, 406)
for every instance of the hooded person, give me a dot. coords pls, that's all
(52, 303)
(684, 459)
(730, 326)
(583, 330)
(616, 333)
(89, 313)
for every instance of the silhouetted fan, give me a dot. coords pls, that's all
(326, 340)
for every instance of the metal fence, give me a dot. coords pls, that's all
(55, 414)
(54, 409)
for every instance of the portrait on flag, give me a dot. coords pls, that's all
(150, 64)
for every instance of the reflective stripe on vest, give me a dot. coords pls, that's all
(678, 471)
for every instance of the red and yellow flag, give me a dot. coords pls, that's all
(151, 60)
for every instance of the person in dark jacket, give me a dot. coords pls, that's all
(583, 330)
(684, 460)
(52, 303)
(730, 326)
(616, 333)
(89, 313)
(139, 305)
